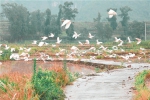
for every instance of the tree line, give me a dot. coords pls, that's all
(26, 25)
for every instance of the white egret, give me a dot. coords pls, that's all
(51, 35)
(20, 48)
(121, 42)
(115, 48)
(129, 41)
(14, 56)
(44, 38)
(67, 23)
(53, 45)
(92, 48)
(138, 40)
(87, 42)
(6, 47)
(90, 36)
(12, 49)
(27, 50)
(98, 43)
(74, 48)
(75, 35)
(111, 13)
(117, 39)
(1, 52)
(41, 44)
(80, 43)
(34, 42)
(142, 49)
(58, 40)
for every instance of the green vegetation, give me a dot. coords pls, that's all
(5, 55)
(27, 25)
(43, 85)
(143, 91)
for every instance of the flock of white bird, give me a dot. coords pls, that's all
(75, 52)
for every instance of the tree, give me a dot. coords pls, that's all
(58, 21)
(97, 20)
(69, 13)
(108, 32)
(113, 20)
(47, 22)
(136, 29)
(125, 18)
(99, 27)
(36, 19)
(18, 17)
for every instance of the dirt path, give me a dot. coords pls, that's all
(113, 85)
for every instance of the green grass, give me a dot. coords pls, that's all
(143, 91)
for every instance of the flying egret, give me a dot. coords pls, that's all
(41, 44)
(121, 42)
(58, 40)
(129, 41)
(67, 23)
(75, 35)
(138, 40)
(34, 42)
(80, 43)
(117, 39)
(90, 36)
(111, 13)
(98, 43)
(87, 42)
(51, 35)
(44, 38)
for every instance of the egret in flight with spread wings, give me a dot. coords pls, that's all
(111, 13)
(75, 35)
(34, 42)
(90, 36)
(87, 42)
(138, 40)
(41, 44)
(67, 23)
(58, 40)
(51, 35)
(44, 38)
(80, 43)
(117, 39)
(98, 43)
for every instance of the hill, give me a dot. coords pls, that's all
(88, 9)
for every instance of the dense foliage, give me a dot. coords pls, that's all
(25, 25)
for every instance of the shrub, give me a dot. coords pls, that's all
(5, 55)
(45, 86)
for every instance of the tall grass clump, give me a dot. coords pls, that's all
(46, 87)
(16, 86)
(48, 83)
(5, 55)
(143, 93)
